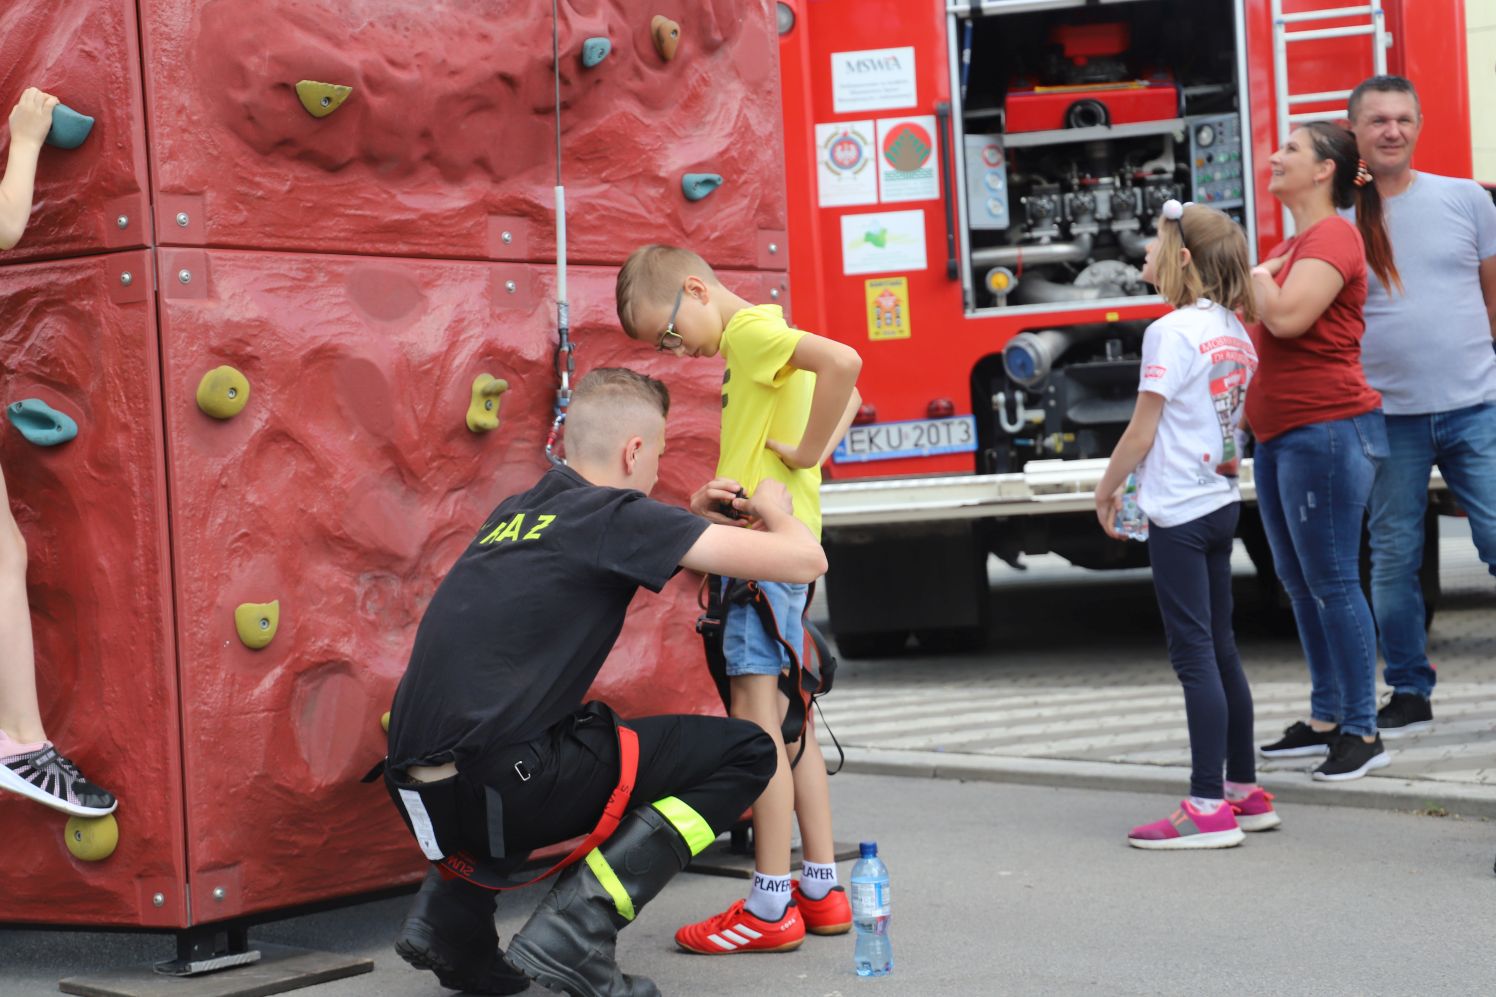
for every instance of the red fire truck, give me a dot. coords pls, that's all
(980, 179)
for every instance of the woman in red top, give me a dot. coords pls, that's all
(1320, 435)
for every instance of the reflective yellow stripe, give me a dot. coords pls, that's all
(606, 876)
(697, 832)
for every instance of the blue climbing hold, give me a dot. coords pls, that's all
(699, 185)
(69, 128)
(595, 50)
(40, 423)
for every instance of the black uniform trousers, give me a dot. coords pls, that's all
(554, 787)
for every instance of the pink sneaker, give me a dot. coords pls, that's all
(1189, 828)
(1255, 813)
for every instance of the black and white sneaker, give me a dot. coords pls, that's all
(1299, 739)
(1405, 713)
(1351, 758)
(45, 776)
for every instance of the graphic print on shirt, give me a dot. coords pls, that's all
(1231, 369)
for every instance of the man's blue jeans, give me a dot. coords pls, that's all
(1463, 444)
(1313, 484)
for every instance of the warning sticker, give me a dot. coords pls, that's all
(908, 164)
(888, 308)
(847, 172)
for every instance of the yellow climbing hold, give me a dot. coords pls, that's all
(483, 412)
(321, 99)
(256, 622)
(92, 839)
(384, 721)
(223, 392)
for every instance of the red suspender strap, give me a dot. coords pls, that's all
(462, 865)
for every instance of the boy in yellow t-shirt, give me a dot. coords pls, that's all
(787, 398)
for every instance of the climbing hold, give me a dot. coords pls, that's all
(92, 839)
(595, 50)
(483, 411)
(666, 35)
(40, 423)
(384, 721)
(223, 392)
(69, 128)
(257, 622)
(321, 99)
(699, 185)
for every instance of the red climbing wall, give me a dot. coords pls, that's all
(355, 269)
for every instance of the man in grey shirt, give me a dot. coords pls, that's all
(1428, 350)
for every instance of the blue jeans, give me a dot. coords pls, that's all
(1313, 484)
(1192, 578)
(752, 650)
(1463, 444)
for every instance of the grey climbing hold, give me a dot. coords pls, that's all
(69, 128)
(699, 185)
(595, 50)
(40, 423)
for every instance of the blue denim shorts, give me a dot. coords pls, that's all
(748, 647)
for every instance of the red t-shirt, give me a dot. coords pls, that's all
(1316, 377)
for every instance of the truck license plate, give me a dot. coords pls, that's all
(917, 438)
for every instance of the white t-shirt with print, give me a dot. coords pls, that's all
(1200, 360)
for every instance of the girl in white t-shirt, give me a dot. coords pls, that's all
(1182, 442)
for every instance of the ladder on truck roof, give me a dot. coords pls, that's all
(1373, 25)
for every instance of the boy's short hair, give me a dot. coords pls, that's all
(651, 276)
(609, 405)
(1381, 84)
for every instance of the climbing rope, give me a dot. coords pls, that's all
(564, 359)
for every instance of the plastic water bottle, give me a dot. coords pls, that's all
(1131, 521)
(871, 908)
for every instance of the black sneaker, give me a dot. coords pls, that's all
(47, 777)
(1299, 739)
(1404, 713)
(1351, 758)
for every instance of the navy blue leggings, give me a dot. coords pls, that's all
(1192, 577)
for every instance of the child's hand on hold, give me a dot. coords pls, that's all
(31, 118)
(721, 501)
(1108, 509)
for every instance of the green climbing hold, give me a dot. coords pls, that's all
(699, 185)
(595, 50)
(69, 128)
(40, 423)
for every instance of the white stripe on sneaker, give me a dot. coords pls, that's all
(735, 938)
(748, 931)
(721, 943)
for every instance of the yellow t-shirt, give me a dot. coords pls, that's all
(764, 398)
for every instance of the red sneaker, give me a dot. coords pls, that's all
(736, 930)
(830, 915)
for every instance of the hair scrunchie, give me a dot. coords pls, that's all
(1363, 175)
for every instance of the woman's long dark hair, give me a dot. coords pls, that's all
(1338, 145)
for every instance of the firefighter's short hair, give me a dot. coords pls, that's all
(609, 405)
(651, 276)
(1381, 84)
(1219, 268)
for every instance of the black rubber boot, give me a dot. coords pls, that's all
(450, 931)
(567, 944)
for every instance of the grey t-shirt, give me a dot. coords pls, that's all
(1428, 349)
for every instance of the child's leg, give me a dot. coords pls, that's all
(756, 698)
(813, 799)
(20, 716)
(1241, 758)
(1180, 581)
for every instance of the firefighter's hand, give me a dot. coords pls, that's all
(31, 118)
(712, 499)
(770, 497)
(790, 456)
(1108, 508)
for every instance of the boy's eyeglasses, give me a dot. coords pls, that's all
(670, 340)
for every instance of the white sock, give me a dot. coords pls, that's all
(1238, 791)
(817, 879)
(770, 896)
(1205, 806)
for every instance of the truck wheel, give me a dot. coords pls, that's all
(884, 644)
(948, 640)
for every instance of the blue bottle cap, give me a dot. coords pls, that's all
(869, 849)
